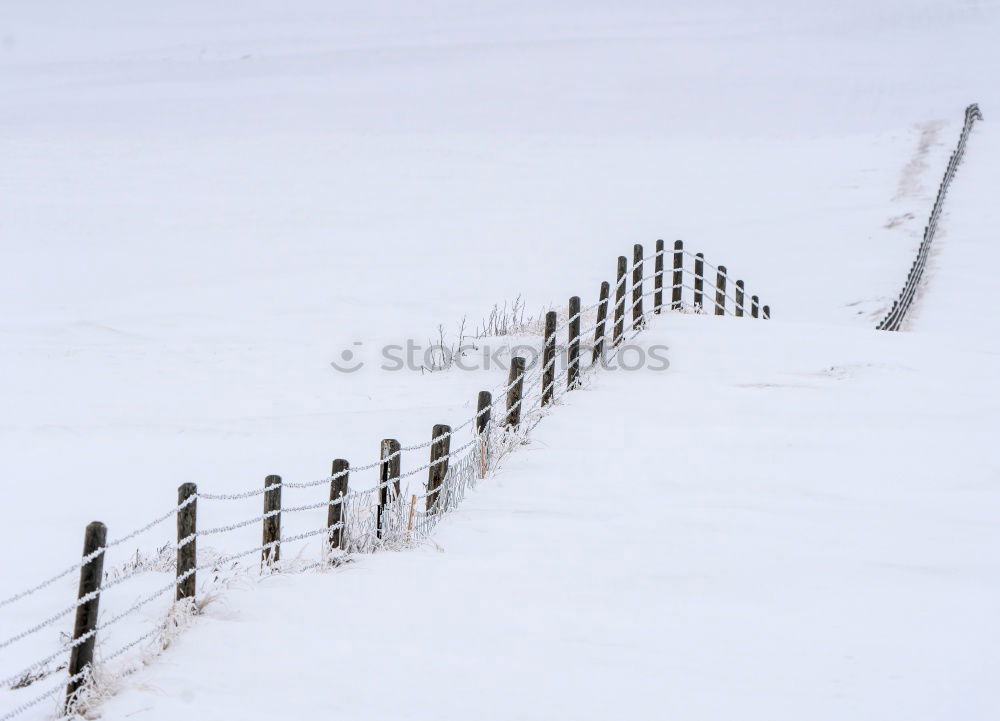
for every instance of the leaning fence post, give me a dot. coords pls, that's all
(620, 300)
(339, 476)
(187, 554)
(602, 316)
(754, 306)
(388, 477)
(720, 291)
(658, 279)
(739, 299)
(515, 383)
(549, 359)
(440, 448)
(573, 348)
(678, 281)
(272, 523)
(82, 655)
(766, 312)
(636, 287)
(699, 280)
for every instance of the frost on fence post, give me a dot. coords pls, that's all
(483, 411)
(658, 281)
(720, 291)
(620, 300)
(82, 656)
(338, 492)
(515, 383)
(573, 346)
(187, 554)
(440, 448)
(271, 553)
(637, 286)
(388, 479)
(676, 300)
(549, 359)
(739, 299)
(699, 280)
(754, 306)
(602, 316)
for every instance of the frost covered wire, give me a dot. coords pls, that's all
(371, 519)
(498, 398)
(91, 556)
(707, 280)
(158, 593)
(897, 313)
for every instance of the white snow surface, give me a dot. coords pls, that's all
(203, 204)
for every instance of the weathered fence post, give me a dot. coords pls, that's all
(658, 279)
(515, 383)
(678, 282)
(549, 359)
(335, 516)
(720, 291)
(636, 287)
(187, 554)
(754, 306)
(483, 405)
(388, 477)
(699, 280)
(766, 312)
(739, 299)
(573, 347)
(440, 448)
(602, 316)
(272, 523)
(620, 300)
(91, 573)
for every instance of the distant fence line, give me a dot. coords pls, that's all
(385, 516)
(897, 314)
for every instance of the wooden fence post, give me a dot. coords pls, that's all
(187, 526)
(440, 449)
(602, 316)
(549, 359)
(720, 291)
(678, 282)
(388, 478)
(754, 306)
(573, 347)
(658, 279)
(766, 312)
(484, 408)
(699, 280)
(620, 300)
(483, 405)
(636, 287)
(272, 524)
(82, 656)
(335, 516)
(739, 299)
(514, 393)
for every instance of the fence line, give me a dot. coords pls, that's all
(381, 517)
(897, 313)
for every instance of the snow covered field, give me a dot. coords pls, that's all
(202, 206)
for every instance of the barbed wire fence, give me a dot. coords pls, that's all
(399, 510)
(893, 320)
